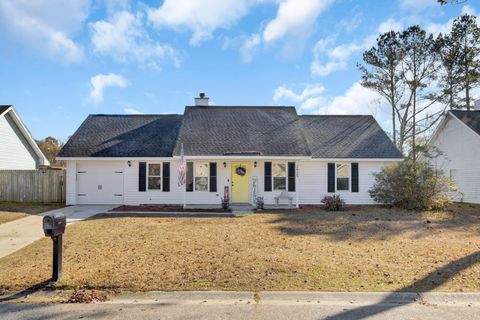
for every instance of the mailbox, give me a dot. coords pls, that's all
(54, 227)
(54, 224)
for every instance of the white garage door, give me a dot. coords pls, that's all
(100, 183)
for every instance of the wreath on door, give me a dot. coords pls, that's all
(241, 171)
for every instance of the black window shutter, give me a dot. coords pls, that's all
(291, 176)
(268, 176)
(166, 177)
(142, 176)
(213, 177)
(331, 177)
(354, 177)
(189, 184)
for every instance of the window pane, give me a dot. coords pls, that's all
(154, 169)
(201, 170)
(342, 183)
(279, 183)
(342, 170)
(279, 170)
(154, 183)
(201, 184)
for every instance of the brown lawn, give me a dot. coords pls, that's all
(6, 216)
(363, 249)
(10, 211)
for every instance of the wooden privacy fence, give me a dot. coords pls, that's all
(32, 185)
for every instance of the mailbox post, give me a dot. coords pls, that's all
(54, 227)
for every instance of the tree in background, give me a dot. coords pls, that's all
(382, 73)
(465, 38)
(50, 147)
(449, 78)
(418, 72)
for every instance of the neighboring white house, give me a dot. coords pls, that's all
(243, 152)
(18, 150)
(458, 139)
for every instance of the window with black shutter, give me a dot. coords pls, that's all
(355, 177)
(189, 184)
(291, 176)
(331, 177)
(142, 177)
(213, 177)
(268, 176)
(166, 177)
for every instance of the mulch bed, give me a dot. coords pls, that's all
(164, 208)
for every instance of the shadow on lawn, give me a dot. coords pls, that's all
(24, 293)
(428, 283)
(376, 223)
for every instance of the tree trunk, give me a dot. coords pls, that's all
(414, 124)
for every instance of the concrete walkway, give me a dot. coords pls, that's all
(17, 234)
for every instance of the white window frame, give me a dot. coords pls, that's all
(349, 166)
(161, 176)
(195, 176)
(286, 176)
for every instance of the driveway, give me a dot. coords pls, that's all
(19, 233)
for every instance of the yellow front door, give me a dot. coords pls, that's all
(240, 182)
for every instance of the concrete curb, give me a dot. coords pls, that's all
(299, 297)
(459, 299)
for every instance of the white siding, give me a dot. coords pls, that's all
(311, 183)
(461, 152)
(15, 152)
(176, 194)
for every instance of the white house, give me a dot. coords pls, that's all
(240, 151)
(458, 139)
(18, 150)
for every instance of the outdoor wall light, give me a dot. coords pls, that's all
(129, 163)
(255, 164)
(224, 164)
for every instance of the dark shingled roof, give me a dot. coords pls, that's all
(124, 136)
(470, 118)
(347, 137)
(3, 108)
(234, 131)
(266, 131)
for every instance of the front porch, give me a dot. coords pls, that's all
(242, 181)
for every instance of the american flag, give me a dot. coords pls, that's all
(182, 170)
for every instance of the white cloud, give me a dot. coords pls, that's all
(123, 37)
(45, 24)
(390, 25)
(356, 100)
(202, 18)
(284, 93)
(249, 47)
(328, 58)
(308, 99)
(130, 110)
(294, 17)
(446, 27)
(102, 81)
(318, 69)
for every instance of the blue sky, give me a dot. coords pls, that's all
(62, 60)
